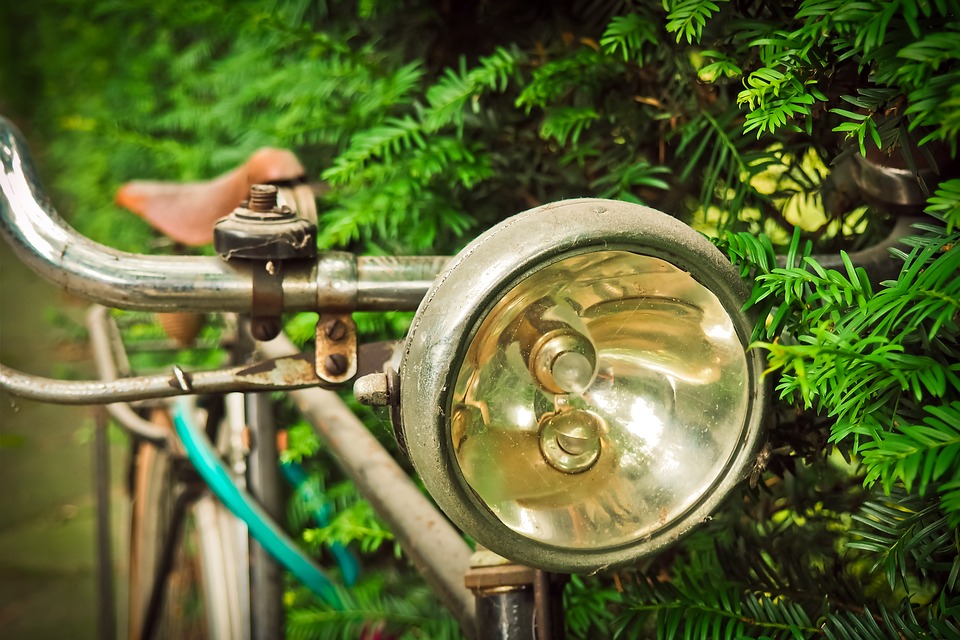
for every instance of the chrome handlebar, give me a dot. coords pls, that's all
(335, 281)
(46, 243)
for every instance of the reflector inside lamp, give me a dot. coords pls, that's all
(599, 400)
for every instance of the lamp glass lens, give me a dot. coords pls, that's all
(599, 400)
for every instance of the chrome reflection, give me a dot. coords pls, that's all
(600, 400)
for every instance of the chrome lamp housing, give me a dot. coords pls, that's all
(576, 390)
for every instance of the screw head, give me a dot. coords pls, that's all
(335, 364)
(335, 330)
(265, 329)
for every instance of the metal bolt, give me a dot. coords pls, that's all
(335, 330)
(372, 390)
(263, 198)
(335, 364)
(265, 329)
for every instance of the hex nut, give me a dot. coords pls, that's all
(372, 390)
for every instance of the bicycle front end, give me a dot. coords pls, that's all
(575, 391)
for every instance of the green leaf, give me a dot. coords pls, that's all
(626, 37)
(687, 18)
(567, 123)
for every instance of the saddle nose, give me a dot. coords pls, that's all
(187, 211)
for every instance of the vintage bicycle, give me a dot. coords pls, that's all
(575, 393)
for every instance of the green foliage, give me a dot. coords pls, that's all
(385, 141)
(624, 181)
(384, 603)
(150, 349)
(627, 35)
(723, 66)
(390, 597)
(945, 204)
(590, 605)
(553, 80)
(567, 123)
(302, 443)
(355, 521)
(391, 175)
(424, 122)
(884, 365)
(909, 47)
(919, 453)
(448, 98)
(418, 153)
(686, 18)
(804, 570)
(907, 534)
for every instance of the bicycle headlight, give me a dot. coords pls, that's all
(575, 390)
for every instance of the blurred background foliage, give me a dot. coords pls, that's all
(424, 122)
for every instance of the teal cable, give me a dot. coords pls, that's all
(297, 477)
(262, 527)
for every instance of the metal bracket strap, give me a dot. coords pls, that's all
(336, 347)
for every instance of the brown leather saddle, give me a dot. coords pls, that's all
(187, 211)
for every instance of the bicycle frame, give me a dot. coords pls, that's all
(337, 281)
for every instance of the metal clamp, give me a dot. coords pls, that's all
(336, 347)
(267, 234)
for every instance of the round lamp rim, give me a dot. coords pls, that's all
(492, 264)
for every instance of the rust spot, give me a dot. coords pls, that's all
(298, 369)
(269, 365)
